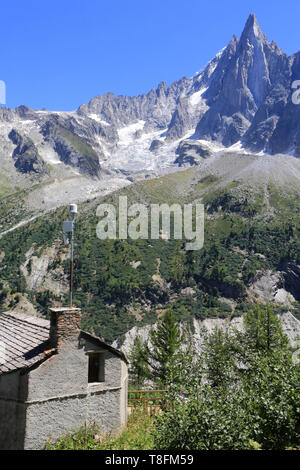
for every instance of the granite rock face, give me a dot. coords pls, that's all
(290, 325)
(250, 90)
(191, 153)
(155, 145)
(71, 148)
(25, 154)
(291, 275)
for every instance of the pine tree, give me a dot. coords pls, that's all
(263, 330)
(165, 341)
(241, 393)
(218, 358)
(139, 363)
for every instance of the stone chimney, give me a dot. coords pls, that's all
(64, 327)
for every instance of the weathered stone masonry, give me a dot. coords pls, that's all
(52, 395)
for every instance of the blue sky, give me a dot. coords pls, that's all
(59, 54)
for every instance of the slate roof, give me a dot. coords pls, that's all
(24, 341)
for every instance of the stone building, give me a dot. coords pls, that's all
(55, 378)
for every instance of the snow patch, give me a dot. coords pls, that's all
(95, 117)
(255, 29)
(126, 134)
(62, 113)
(212, 64)
(135, 157)
(237, 147)
(196, 97)
(213, 146)
(49, 155)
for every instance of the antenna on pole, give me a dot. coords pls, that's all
(68, 227)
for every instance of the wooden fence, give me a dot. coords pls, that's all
(149, 400)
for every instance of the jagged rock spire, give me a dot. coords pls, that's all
(252, 29)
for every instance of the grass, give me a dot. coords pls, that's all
(171, 188)
(135, 436)
(5, 186)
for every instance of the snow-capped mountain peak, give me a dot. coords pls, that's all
(241, 99)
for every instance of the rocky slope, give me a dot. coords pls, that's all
(290, 325)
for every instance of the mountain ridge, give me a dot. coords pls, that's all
(240, 101)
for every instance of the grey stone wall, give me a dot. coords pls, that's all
(61, 400)
(52, 419)
(54, 397)
(62, 374)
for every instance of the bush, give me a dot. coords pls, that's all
(209, 421)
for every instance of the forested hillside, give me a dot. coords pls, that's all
(251, 230)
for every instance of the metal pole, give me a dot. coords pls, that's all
(71, 261)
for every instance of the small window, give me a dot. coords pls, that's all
(96, 367)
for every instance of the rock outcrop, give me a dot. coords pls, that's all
(290, 325)
(25, 154)
(191, 153)
(72, 149)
